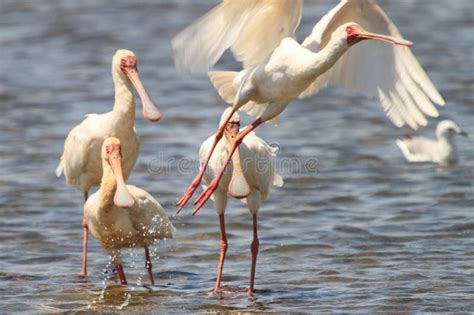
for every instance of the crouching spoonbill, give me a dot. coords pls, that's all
(120, 215)
(81, 162)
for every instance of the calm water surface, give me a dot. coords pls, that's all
(360, 230)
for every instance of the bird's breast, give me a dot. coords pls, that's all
(285, 76)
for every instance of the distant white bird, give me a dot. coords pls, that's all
(277, 69)
(249, 177)
(81, 161)
(124, 216)
(441, 151)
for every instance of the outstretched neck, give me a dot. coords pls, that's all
(124, 101)
(329, 55)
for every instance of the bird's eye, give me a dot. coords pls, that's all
(349, 30)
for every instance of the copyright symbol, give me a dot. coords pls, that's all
(275, 147)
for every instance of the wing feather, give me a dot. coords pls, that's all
(251, 28)
(262, 173)
(374, 68)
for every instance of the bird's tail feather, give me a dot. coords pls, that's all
(277, 180)
(223, 81)
(60, 168)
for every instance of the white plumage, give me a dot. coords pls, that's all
(277, 69)
(249, 177)
(257, 164)
(251, 28)
(121, 216)
(80, 161)
(441, 150)
(81, 158)
(116, 227)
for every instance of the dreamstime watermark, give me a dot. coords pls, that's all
(260, 163)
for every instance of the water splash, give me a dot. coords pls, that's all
(107, 275)
(127, 296)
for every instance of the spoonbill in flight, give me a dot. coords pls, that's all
(342, 50)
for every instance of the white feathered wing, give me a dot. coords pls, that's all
(375, 68)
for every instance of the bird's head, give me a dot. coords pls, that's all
(112, 157)
(238, 185)
(354, 33)
(124, 65)
(233, 125)
(448, 129)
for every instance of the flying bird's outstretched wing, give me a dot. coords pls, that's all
(251, 28)
(374, 68)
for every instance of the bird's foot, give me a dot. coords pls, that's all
(251, 293)
(83, 276)
(188, 194)
(83, 272)
(219, 293)
(205, 195)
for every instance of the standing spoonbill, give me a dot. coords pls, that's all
(81, 161)
(250, 180)
(120, 215)
(441, 151)
(277, 69)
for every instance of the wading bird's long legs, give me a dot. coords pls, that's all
(223, 248)
(148, 265)
(254, 249)
(84, 241)
(121, 273)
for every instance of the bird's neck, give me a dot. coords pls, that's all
(446, 141)
(108, 186)
(124, 104)
(448, 149)
(327, 57)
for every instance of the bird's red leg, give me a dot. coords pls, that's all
(119, 268)
(223, 247)
(197, 180)
(254, 249)
(84, 241)
(207, 193)
(148, 265)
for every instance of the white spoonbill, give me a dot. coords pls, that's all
(249, 178)
(120, 215)
(81, 161)
(277, 69)
(441, 150)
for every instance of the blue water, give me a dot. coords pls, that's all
(354, 228)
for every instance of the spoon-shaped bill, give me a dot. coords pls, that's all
(122, 198)
(390, 39)
(150, 111)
